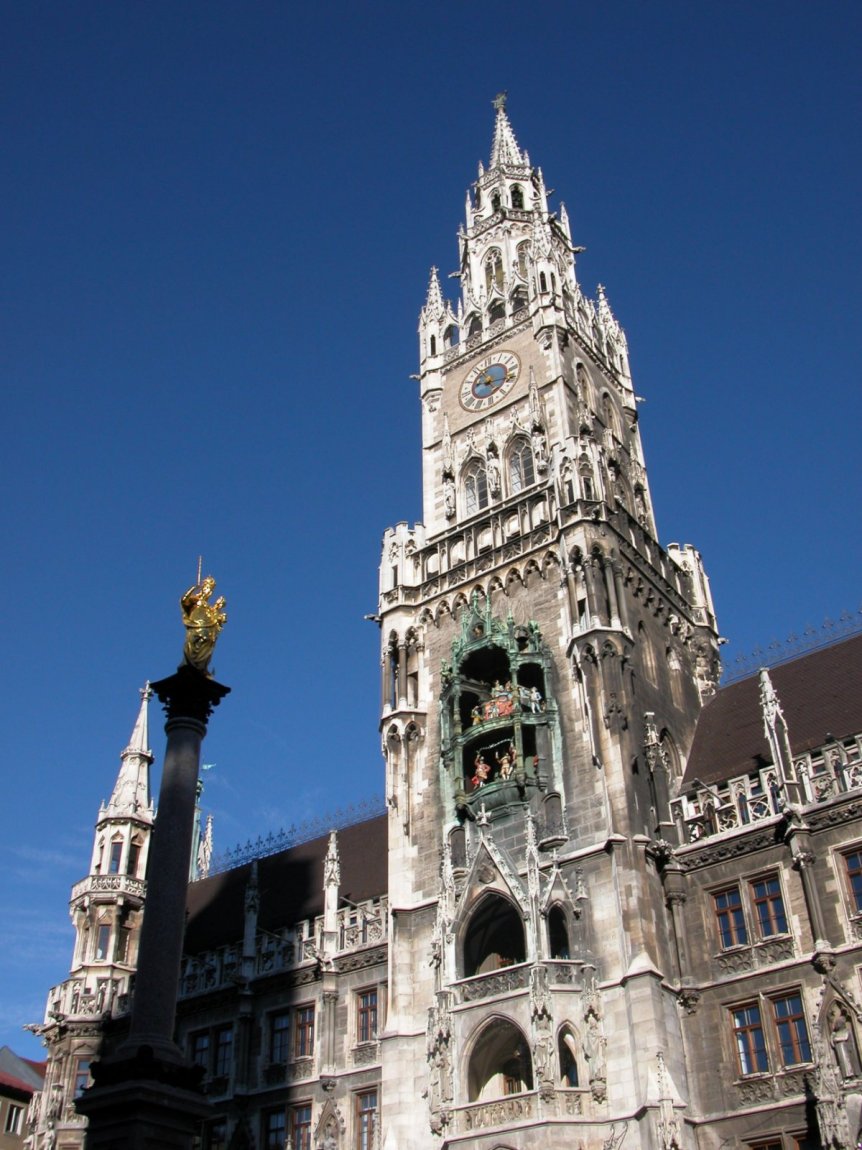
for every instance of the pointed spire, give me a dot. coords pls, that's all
(434, 306)
(606, 316)
(131, 794)
(504, 147)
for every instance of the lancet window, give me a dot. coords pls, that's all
(522, 472)
(517, 196)
(475, 488)
(494, 270)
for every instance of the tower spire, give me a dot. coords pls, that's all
(131, 792)
(504, 147)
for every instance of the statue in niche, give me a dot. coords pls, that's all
(449, 496)
(843, 1042)
(203, 622)
(539, 443)
(493, 470)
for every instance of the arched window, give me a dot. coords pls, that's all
(475, 488)
(496, 202)
(519, 300)
(478, 198)
(517, 196)
(134, 857)
(500, 1063)
(433, 343)
(543, 282)
(611, 418)
(475, 326)
(496, 311)
(558, 933)
(523, 252)
(493, 270)
(567, 1049)
(115, 856)
(494, 937)
(522, 472)
(450, 336)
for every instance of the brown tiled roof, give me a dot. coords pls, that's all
(290, 885)
(820, 695)
(16, 1086)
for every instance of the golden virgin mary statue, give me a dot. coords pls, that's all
(203, 622)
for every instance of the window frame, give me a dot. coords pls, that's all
(222, 1052)
(280, 1036)
(299, 1132)
(303, 1031)
(853, 879)
(267, 1130)
(367, 1015)
(14, 1123)
(774, 904)
(730, 918)
(784, 1038)
(366, 1117)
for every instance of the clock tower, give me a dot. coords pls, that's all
(544, 660)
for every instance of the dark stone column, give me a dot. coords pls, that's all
(147, 1094)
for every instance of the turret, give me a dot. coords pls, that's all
(106, 909)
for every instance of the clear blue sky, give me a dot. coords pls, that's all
(219, 220)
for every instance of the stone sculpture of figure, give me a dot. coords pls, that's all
(203, 622)
(843, 1042)
(449, 496)
(493, 470)
(535, 700)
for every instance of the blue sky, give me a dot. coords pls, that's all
(219, 220)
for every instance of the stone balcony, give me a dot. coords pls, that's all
(109, 884)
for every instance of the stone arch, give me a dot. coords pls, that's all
(568, 1053)
(498, 1060)
(514, 576)
(532, 568)
(492, 935)
(559, 935)
(495, 584)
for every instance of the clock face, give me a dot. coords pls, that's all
(489, 381)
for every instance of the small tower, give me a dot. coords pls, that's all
(106, 909)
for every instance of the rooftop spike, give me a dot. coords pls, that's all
(504, 147)
(434, 305)
(131, 794)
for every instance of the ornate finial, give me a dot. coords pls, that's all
(499, 101)
(203, 621)
(146, 692)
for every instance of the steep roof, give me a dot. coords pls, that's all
(30, 1074)
(820, 695)
(290, 885)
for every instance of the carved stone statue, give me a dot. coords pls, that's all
(203, 622)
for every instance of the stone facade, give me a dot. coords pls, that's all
(608, 901)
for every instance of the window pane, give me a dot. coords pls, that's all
(769, 907)
(729, 917)
(223, 1051)
(274, 1130)
(300, 1127)
(304, 1046)
(279, 1037)
(366, 1115)
(367, 1018)
(792, 1031)
(854, 877)
(750, 1045)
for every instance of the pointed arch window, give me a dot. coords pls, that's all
(522, 472)
(517, 196)
(500, 1063)
(558, 933)
(116, 856)
(494, 270)
(496, 202)
(134, 857)
(475, 488)
(494, 938)
(497, 311)
(523, 252)
(519, 300)
(568, 1054)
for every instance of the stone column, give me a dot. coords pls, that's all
(147, 1094)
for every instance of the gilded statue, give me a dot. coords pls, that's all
(203, 621)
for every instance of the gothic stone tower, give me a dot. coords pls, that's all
(544, 661)
(106, 909)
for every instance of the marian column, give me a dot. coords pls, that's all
(148, 1094)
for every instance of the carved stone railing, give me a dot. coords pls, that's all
(366, 1054)
(497, 982)
(759, 1088)
(110, 884)
(364, 925)
(72, 1000)
(824, 775)
(562, 972)
(210, 970)
(508, 1111)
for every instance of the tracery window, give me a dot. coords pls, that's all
(521, 470)
(523, 251)
(475, 488)
(494, 270)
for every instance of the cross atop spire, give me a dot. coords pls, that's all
(504, 147)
